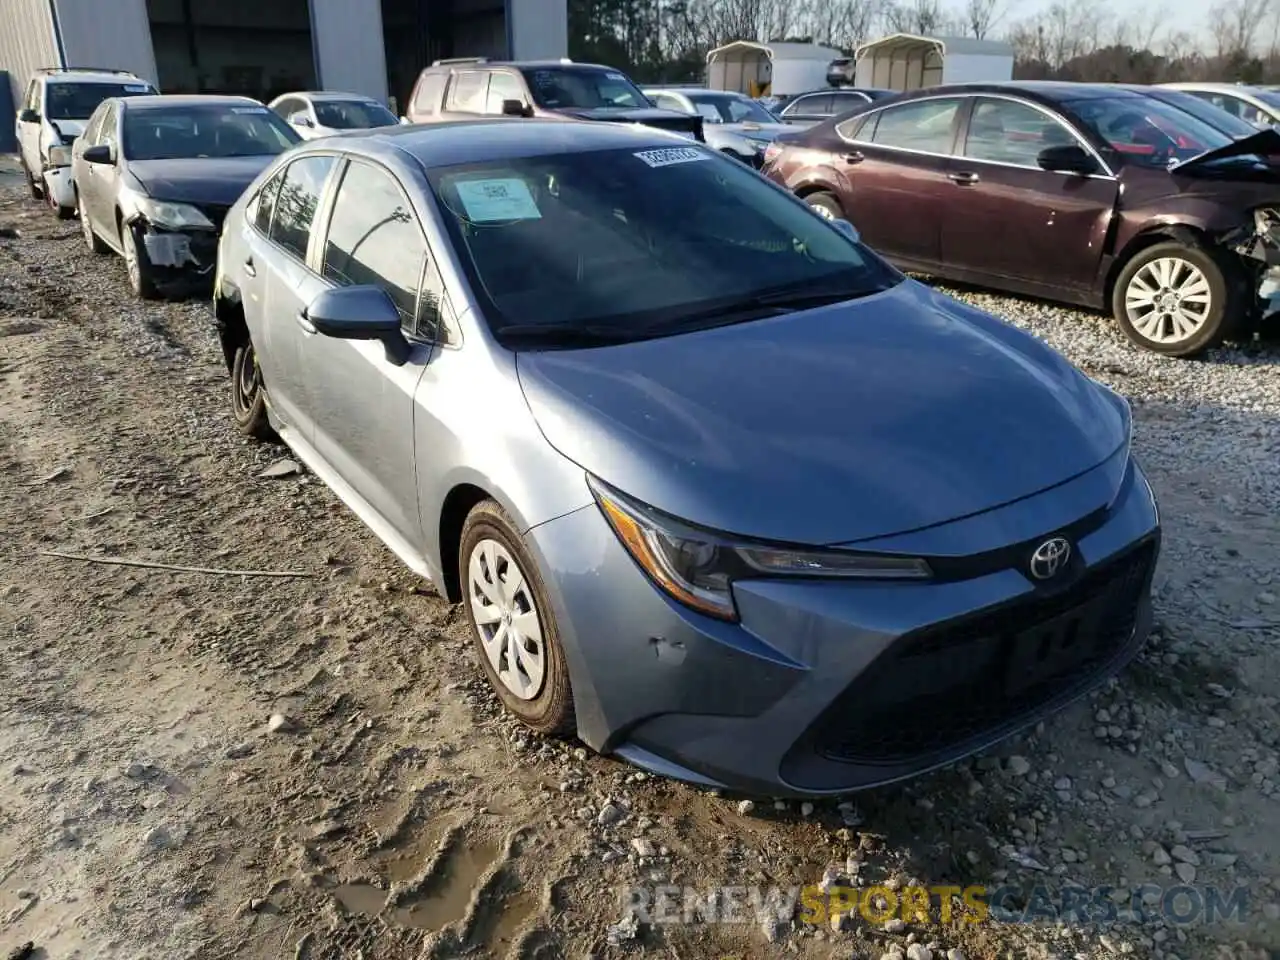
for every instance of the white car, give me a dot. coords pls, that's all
(1255, 105)
(323, 114)
(54, 111)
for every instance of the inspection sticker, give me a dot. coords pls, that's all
(487, 201)
(669, 155)
(136, 88)
(614, 76)
(249, 110)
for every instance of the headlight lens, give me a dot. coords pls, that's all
(59, 156)
(176, 216)
(698, 567)
(759, 145)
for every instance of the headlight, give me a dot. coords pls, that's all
(59, 156)
(174, 216)
(759, 145)
(698, 567)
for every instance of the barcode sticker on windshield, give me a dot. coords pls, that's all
(670, 155)
(136, 87)
(487, 201)
(248, 109)
(614, 76)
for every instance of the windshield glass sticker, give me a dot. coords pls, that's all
(490, 201)
(670, 155)
(136, 87)
(248, 109)
(614, 76)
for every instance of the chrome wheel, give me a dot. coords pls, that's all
(1168, 300)
(131, 256)
(249, 383)
(822, 210)
(85, 227)
(507, 619)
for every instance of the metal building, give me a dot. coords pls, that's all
(265, 47)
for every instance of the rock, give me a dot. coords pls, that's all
(894, 954)
(955, 953)
(1018, 766)
(609, 813)
(918, 951)
(1062, 783)
(1160, 857)
(773, 929)
(239, 751)
(158, 838)
(1069, 855)
(279, 723)
(1266, 597)
(894, 925)
(1186, 872)
(1185, 854)
(642, 847)
(624, 931)
(326, 828)
(806, 809)
(281, 468)
(745, 807)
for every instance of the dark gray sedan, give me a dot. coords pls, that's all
(732, 123)
(720, 491)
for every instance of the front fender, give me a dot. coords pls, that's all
(821, 177)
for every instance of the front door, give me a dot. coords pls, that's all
(895, 162)
(1006, 219)
(288, 285)
(101, 181)
(29, 132)
(360, 404)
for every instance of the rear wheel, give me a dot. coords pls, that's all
(825, 205)
(1179, 299)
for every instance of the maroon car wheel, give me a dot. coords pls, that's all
(825, 205)
(1179, 299)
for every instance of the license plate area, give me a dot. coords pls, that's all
(1054, 647)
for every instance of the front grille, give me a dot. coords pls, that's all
(934, 690)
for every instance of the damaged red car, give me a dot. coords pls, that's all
(1082, 193)
(154, 177)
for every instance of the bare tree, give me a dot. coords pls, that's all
(922, 17)
(982, 16)
(1234, 25)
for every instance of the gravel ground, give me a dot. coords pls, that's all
(211, 765)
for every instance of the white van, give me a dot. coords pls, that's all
(54, 111)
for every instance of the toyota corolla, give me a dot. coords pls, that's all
(721, 492)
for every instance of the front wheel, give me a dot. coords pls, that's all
(1179, 299)
(32, 186)
(513, 623)
(825, 205)
(141, 273)
(249, 394)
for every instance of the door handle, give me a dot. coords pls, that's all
(249, 268)
(965, 179)
(854, 157)
(307, 326)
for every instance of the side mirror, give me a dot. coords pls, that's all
(101, 153)
(514, 108)
(301, 120)
(360, 313)
(28, 116)
(847, 228)
(1068, 158)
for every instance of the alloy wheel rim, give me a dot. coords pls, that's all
(131, 257)
(84, 223)
(507, 619)
(822, 211)
(249, 382)
(1168, 300)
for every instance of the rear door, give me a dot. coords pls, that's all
(289, 284)
(807, 110)
(1006, 218)
(895, 185)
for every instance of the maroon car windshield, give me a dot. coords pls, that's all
(1146, 131)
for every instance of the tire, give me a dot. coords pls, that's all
(91, 239)
(249, 395)
(32, 186)
(1180, 299)
(825, 205)
(489, 546)
(141, 273)
(59, 211)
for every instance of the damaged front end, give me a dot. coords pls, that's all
(178, 240)
(1258, 244)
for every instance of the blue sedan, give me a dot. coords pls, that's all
(721, 491)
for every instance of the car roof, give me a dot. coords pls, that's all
(1046, 91)
(1204, 85)
(324, 95)
(188, 100)
(690, 91)
(496, 138)
(93, 76)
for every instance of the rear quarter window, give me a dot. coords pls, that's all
(426, 98)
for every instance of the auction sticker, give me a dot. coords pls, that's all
(671, 155)
(487, 201)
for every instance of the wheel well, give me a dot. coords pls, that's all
(809, 189)
(1176, 233)
(453, 515)
(233, 332)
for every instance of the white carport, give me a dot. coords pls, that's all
(761, 69)
(905, 61)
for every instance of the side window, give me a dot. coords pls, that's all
(1229, 104)
(94, 126)
(844, 102)
(107, 132)
(816, 105)
(374, 237)
(296, 203)
(503, 86)
(426, 97)
(265, 204)
(467, 92)
(1007, 132)
(33, 96)
(861, 127)
(667, 102)
(924, 125)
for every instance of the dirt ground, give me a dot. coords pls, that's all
(218, 765)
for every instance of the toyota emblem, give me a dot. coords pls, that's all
(1050, 558)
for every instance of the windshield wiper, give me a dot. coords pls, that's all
(566, 334)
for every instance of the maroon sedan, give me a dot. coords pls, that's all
(1083, 193)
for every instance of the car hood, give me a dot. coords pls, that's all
(843, 423)
(213, 180)
(649, 116)
(70, 128)
(1264, 143)
(756, 131)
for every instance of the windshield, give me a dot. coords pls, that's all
(1147, 132)
(730, 109)
(77, 101)
(221, 130)
(353, 114)
(1270, 97)
(1228, 123)
(625, 239)
(582, 88)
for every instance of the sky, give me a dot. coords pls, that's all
(1176, 15)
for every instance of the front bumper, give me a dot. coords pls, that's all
(829, 687)
(59, 187)
(184, 261)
